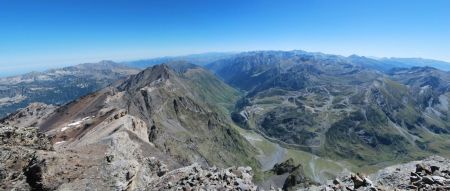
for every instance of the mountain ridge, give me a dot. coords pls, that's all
(58, 86)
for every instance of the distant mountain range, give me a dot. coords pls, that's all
(198, 59)
(58, 86)
(389, 63)
(18, 91)
(411, 62)
(208, 58)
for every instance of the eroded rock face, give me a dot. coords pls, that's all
(20, 166)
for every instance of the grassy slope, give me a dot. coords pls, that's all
(212, 91)
(221, 98)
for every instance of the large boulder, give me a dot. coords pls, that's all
(295, 176)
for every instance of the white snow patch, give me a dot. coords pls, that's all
(59, 142)
(257, 74)
(148, 89)
(76, 123)
(64, 128)
(424, 88)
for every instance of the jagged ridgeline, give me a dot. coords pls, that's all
(185, 105)
(180, 120)
(176, 113)
(352, 108)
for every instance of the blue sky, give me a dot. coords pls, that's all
(36, 35)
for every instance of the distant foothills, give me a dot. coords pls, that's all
(61, 85)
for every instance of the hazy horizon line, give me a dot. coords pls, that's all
(127, 60)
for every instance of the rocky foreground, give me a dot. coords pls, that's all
(432, 173)
(29, 162)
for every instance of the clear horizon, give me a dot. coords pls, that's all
(51, 34)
